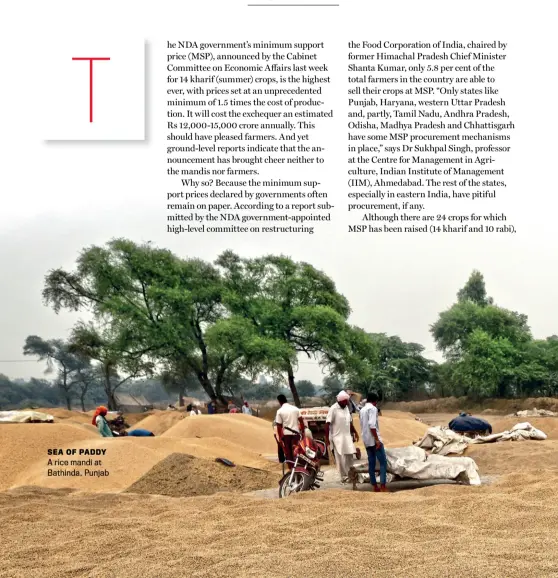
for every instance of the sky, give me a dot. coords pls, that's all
(59, 197)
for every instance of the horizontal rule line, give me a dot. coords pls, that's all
(293, 4)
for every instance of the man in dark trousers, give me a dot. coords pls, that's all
(288, 422)
(370, 431)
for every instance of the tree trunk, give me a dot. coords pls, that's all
(208, 387)
(290, 374)
(181, 398)
(111, 401)
(67, 393)
(82, 401)
(112, 405)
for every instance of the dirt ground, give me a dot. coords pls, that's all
(506, 528)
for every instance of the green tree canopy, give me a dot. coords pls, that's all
(475, 290)
(291, 303)
(58, 356)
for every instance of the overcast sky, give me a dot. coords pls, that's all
(59, 197)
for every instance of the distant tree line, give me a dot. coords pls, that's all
(191, 326)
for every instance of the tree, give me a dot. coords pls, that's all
(332, 385)
(475, 291)
(57, 355)
(488, 348)
(165, 305)
(291, 303)
(455, 326)
(109, 348)
(305, 388)
(85, 379)
(487, 367)
(179, 379)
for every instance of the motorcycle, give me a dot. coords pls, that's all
(305, 473)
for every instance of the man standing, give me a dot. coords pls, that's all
(340, 431)
(288, 422)
(246, 409)
(212, 407)
(370, 428)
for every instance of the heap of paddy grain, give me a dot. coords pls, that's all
(185, 475)
(249, 432)
(22, 445)
(159, 421)
(127, 459)
(504, 529)
(397, 430)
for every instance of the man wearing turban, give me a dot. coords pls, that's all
(101, 423)
(340, 434)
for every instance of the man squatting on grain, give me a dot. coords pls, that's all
(340, 431)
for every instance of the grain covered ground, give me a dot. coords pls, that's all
(503, 529)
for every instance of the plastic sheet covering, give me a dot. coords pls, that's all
(413, 463)
(519, 432)
(25, 417)
(443, 441)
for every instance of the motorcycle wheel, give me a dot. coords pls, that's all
(300, 483)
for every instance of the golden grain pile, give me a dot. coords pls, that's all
(397, 429)
(128, 459)
(159, 421)
(183, 475)
(503, 530)
(247, 431)
(23, 444)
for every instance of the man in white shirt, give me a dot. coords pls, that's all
(246, 409)
(370, 429)
(288, 422)
(341, 433)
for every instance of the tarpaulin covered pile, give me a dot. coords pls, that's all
(25, 417)
(467, 423)
(414, 463)
(443, 441)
